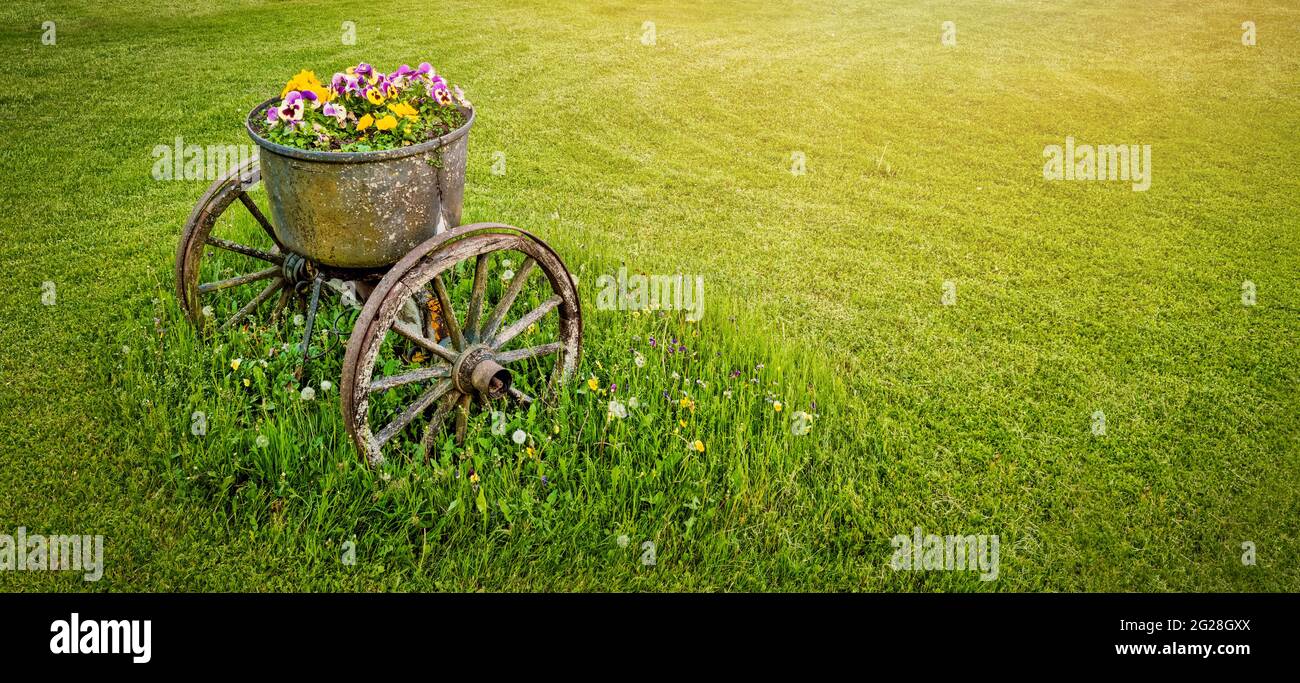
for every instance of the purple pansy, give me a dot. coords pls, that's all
(291, 107)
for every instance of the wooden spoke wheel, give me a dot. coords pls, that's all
(229, 267)
(504, 325)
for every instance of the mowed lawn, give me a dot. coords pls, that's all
(923, 167)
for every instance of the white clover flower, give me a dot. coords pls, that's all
(326, 385)
(519, 437)
(727, 393)
(508, 276)
(126, 350)
(299, 320)
(308, 393)
(507, 263)
(623, 540)
(262, 441)
(207, 311)
(617, 409)
(633, 403)
(639, 360)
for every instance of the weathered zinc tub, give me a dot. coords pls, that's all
(363, 209)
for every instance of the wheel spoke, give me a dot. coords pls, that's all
(476, 297)
(286, 294)
(424, 342)
(508, 299)
(424, 401)
(236, 281)
(252, 305)
(524, 399)
(420, 375)
(448, 315)
(462, 417)
(267, 256)
(522, 324)
(252, 207)
(530, 352)
(434, 427)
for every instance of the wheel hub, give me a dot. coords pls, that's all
(477, 372)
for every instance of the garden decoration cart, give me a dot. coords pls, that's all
(434, 337)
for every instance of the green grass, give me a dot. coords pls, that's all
(923, 166)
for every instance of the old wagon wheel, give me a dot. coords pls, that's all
(474, 350)
(229, 264)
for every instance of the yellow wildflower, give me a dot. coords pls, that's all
(246, 382)
(365, 121)
(776, 406)
(593, 383)
(699, 445)
(682, 422)
(386, 123)
(234, 364)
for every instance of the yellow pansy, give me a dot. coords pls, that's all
(386, 123)
(365, 122)
(306, 80)
(403, 109)
(375, 97)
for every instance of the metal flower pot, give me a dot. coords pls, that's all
(363, 209)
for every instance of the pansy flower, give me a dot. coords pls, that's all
(291, 107)
(386, 123)
(400, 77)
(460, 97)
(403, 109)
(352, 86)
(365, 122)
(336, 110)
